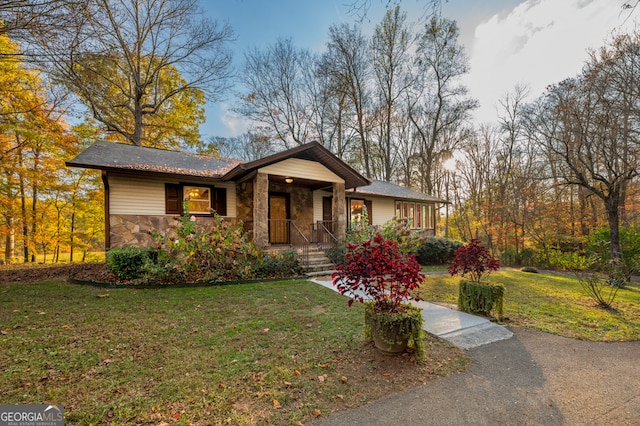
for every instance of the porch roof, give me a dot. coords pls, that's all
(391, 190)
(312, 151)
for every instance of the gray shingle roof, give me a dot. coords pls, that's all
(117, 156)
(391, 190)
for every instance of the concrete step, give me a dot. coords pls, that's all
(325, 273)
(320, 267)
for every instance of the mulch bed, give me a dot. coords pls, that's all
(31, 273)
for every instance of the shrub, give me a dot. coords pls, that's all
(599, 288)
(474, 260)
(478, 298)
(510, 257)
(336, 254)
(568, 261)
(436, 251)
(474, 296)
(219, 252)
(278, 265)
(599, 243)
(378, 270)
(130, 263)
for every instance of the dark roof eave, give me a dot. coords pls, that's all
(130, 171)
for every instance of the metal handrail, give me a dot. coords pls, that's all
(325, 231)
(302, 251)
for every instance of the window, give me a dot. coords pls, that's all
(419, 215)
(199, 198)
(356, 209)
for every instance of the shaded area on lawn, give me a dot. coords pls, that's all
(241, 354)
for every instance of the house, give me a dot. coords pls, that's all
(299, 196)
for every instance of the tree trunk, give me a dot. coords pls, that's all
(614, 227)
(10, 241)
(71, 242)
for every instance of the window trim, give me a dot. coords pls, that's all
(174, 194)
(209, 199)
(422, 213)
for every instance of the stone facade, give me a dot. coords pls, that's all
(244, 205)
(136, 230)
(261, 209)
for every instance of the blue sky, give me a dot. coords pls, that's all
(509, 42)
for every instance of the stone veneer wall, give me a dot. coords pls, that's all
(244, 205)
(135, 230)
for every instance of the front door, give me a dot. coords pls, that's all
(279, 218)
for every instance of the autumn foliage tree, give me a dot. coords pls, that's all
(34, 142)
(141, 67)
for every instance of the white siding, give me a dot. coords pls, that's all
(145, 196)
(296, 168)
(317, 204)
(135, 196)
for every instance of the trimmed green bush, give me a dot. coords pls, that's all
(437, 251)
(276, 266)
(130, 263)
(481, 298)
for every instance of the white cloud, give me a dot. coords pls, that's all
(540, 42)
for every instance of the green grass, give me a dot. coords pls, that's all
(434, 268)
(555, 303)
(237, 354)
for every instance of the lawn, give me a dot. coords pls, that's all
(553, 302)
(269, 353)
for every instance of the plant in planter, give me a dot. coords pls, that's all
(379, 273)
(475, 296)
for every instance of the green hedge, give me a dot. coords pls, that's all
(130, 263)
(437, 251)
(480, 299)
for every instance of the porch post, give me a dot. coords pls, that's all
(261, 209)
(339, 210)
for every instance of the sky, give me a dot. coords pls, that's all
(534, 43)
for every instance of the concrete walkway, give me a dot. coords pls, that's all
(458, 328)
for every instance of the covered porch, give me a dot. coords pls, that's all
(279, 201)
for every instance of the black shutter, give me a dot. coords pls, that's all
(173, 198)
(220, 201)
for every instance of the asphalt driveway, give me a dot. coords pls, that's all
(533, 378)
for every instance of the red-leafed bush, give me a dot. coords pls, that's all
(473, 260)
(378, 270)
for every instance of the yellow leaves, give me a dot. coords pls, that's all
(276, 404)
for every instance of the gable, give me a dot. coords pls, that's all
(305, 169)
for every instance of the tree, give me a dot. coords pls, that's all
(278, 82)
(590, 126)
(347, 68)
(439, 105)
(130, 60)
(391, 61)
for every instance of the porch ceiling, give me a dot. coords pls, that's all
(300, 182)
